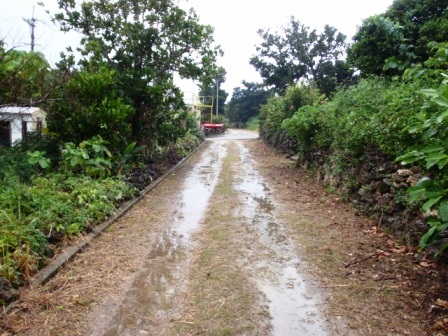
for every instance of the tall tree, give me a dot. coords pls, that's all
(389, 43)
(423, 21)
(145, 42)
(376, 41)
(300, 54)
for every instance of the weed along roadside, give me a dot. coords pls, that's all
(235, 241)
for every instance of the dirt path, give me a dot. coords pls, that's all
(234, 242)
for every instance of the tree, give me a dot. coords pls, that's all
(145, 42)
(298, 54)
(376, 41)
(89, 105)
(245, 102)
(24, 76)
(423, 21)
(387, 44)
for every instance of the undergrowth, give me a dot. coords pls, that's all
(44, 202)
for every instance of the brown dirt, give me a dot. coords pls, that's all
(378, 285)
(369, 280)
(221, 298)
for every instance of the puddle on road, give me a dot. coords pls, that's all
(152, 297)
(293, 304)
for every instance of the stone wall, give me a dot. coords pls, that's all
(376, 186)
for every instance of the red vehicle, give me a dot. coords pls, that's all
(213, 128)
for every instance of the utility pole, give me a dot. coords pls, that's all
(32, 23)
(217, 94)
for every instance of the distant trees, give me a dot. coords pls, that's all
(208, 89)
(299, 54)
(246, 102)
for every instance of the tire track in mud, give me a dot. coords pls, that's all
(272, 259)
(151, 299)
(246, 277)
(223, 265)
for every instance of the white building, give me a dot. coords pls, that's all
(16, 122)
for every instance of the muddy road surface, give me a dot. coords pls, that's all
(229, 244)
(224, 192)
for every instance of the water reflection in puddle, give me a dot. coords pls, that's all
(152, 296)
(292, 304)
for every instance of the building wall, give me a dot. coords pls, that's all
(32, 121)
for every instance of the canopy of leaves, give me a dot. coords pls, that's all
(387, 44)
(24, 76)
(297, 54)
(377, 40)
(88, 105)
(423, 21)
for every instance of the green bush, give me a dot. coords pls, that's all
(89, 104)
(280, 108)
(32, 213)
(14, 162)
(431, 126)
(370, 113)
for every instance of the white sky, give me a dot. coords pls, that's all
(235, 23)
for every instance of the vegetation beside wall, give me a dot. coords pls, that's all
(354, 139)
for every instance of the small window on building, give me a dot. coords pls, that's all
(24, 130)
(39, 125)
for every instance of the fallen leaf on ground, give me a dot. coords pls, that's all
(426, 263)
(442, 303)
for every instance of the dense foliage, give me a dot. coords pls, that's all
(135, 47)
(389, 113)
(112, 114)
(431, 125)
(41, 209)
(298, 54)
(354, 119)
(88, 104)
(24, 76)
(399, 38)
(280, 108)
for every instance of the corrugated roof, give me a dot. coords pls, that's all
(19, 109)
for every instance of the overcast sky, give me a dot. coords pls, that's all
(235, 23)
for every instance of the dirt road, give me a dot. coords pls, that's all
(230, 244)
